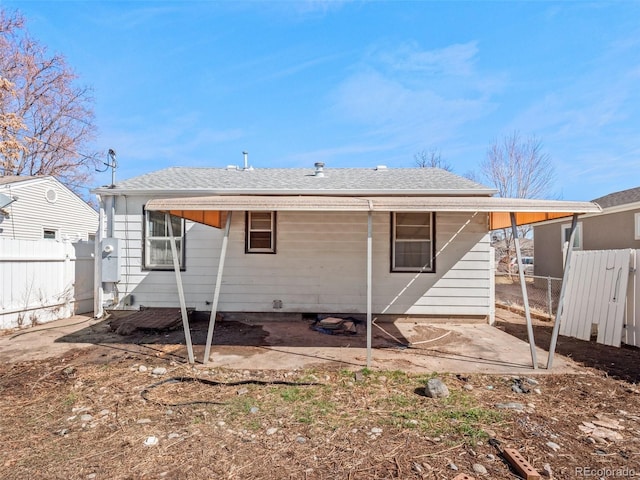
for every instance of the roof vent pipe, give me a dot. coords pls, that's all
(246, 160)
(319, 169)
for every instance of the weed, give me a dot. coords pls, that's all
(70, 399)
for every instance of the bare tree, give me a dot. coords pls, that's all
(11, 148)
(46, 119)
(517, 168)
(431, 159)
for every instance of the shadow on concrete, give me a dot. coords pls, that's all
(621, 363)
(253, 337)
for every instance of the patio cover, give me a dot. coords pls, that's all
(209, 209)
(503, 213)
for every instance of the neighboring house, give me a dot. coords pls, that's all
(302, 240)
(47, 253)
(40, 207)
(616, 227)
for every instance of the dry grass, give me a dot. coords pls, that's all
(300, 424)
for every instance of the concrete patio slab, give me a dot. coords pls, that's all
(272, 344)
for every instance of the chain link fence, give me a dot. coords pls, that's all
(543, 294)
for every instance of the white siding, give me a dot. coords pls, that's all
(69, 215)
(320, 266)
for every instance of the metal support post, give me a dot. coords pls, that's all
(216, 292)
(525, 297)
(565, 277)
(183, 306)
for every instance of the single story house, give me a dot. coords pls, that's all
(616, 226)
(375, 241)
(41, 207)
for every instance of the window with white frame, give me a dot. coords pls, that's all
(157, 246)
(566, 235)
(412, 243)
(637, 229)
(260, 232)
(49, 234)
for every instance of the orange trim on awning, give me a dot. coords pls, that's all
(499, 220)
(213, 218)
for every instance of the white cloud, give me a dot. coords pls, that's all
(408, 94)
(454, 60)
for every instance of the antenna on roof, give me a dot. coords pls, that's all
(112, 164)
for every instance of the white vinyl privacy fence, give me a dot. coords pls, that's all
(603, 296)
(44, 280)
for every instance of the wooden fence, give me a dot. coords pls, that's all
(44, 280)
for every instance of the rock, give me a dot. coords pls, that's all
(91, 476)
(453, 466)
(537, 391)
(479, 469)
(86, 417)
(553, 446)
(168, 412)
(62, 432)
(546, 471)
(142, 368)
(272, 430)
(242, 391)
(104, 412)
(532, 381)
(416, 467)
(519, 386)
(143, 421)
(159, 371)
(151, 441)
(376, 431)
(358, 377)
(510, 406)
(301, 439)
(491, 457)
(254, 410)
(468, 387)
(173, 435)
(69, 371)
(435, 388)
(489, 387)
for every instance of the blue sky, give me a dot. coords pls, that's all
(356, 83)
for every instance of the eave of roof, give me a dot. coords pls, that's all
(526, 210)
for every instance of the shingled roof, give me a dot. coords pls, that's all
(10, 179)
(301, 181)
(617, 199)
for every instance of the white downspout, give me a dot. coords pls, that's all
(369, 283)
(98, 290)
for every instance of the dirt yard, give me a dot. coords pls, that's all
(108, 412)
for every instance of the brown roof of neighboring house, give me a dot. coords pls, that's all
(615, 199)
